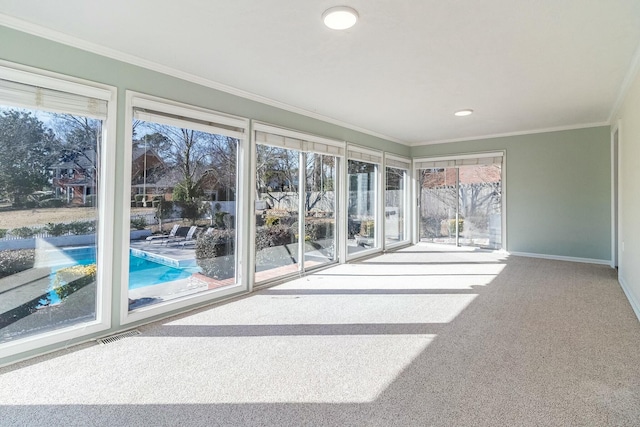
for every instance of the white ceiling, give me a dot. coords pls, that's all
(402, 71)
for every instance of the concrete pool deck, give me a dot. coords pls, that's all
(177, 256)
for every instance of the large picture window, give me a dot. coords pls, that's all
(183, 204)
(51, 169)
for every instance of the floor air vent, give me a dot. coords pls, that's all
(118, 337)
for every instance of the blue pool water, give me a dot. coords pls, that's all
(142, 272)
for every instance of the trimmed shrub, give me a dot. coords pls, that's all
(214, 253)
(56, 229)
(12, 262)
(278, 235)
(139, 223)
(3, 233)
(52, 203)
(71, 279)
(82, 227)
(271, 237)
(25, 232)
(30, 204)
(319, 230)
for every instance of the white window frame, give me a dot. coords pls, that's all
(408, 211)
(45, 79)
(451, 160)
(160, 105)
(356, 152)
(304, 143)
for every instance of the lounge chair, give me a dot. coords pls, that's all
(161, 238)
(180, 237)
(192, 241)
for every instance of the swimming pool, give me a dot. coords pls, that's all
(142, 271)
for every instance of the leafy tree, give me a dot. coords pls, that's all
(28, 149)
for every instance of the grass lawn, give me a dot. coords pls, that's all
(39, 216)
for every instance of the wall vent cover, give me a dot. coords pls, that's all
(118, 337)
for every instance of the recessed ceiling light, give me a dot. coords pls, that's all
(340, 17)
(463, 113)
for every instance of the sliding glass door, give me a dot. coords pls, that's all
(480, 206)
(295, 202)
(460, 201)
(396, 199)
(320, 209)
(438, 205)
(277, 212)
(362, 209)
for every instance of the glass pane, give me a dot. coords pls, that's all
(277, 206)
(183, 210)
(438, 205)
(395, 205)
(362, 206)
(48, 188)
(480, 206)
(320, 210)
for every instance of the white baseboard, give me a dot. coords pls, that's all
(632, 299)
(563, 258)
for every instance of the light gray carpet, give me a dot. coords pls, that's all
(428, 336)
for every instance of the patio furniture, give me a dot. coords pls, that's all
(192, 241)
(180, 237)
(163, 237)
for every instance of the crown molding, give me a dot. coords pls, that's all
(66, 39)
(634, 68)
(502, 135)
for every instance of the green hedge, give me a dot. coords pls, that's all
(138, 223)
(212, 253)
(56, 229)
(277, 235)
(51, 203)
(82, 227)
(25, 232)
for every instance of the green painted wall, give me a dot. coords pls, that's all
(628, 119)
(558, 190)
